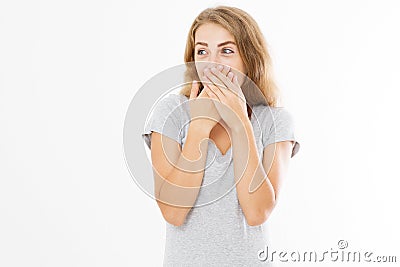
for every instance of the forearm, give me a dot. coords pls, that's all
(255, 192)
(180, 189)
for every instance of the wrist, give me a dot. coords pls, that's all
(199, 128)
(243, 125)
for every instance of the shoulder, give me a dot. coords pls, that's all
(265, 113)
(171, 99)
(169, 103)
(277, 125)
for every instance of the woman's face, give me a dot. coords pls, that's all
(214, 44)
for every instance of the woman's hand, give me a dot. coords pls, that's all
(203, 112)
(222, 85)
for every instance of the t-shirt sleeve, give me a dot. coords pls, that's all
(165, 118)
(281, 129)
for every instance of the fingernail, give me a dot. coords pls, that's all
(214, 69)
(220, 67)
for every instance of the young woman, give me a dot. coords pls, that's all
(220, 148)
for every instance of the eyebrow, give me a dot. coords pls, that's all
(221, 44)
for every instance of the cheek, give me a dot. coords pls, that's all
(239, 70)
(235, 63)
(240, 66)
(199, 69)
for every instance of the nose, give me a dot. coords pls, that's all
(214, 58)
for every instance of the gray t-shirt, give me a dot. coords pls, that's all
(215, 233)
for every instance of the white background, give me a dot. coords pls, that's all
(69, 69)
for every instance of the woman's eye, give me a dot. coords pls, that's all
(201, 52)
(228, 51)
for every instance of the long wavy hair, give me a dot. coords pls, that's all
(251, 44)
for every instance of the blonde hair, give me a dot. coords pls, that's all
(251, 44)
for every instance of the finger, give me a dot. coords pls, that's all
(202, 93)
(217, 93)
(215, 89)
(205, 82)
(209, 66)
(237, 89)
(236, 82)
(226, 80)
(212, 94)
(231, 77)
(224, 69)
(194, 91)
(205, 85)
(214, 80)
